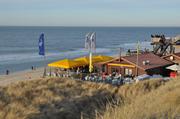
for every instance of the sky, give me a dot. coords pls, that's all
(89, 13)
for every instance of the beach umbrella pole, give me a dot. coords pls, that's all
(90, 62)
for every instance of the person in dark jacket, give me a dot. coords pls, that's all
(7, 72)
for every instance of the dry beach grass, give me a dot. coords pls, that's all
(72, 99)
(162, 103)
(53, 98)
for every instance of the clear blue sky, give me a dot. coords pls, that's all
(90, 12)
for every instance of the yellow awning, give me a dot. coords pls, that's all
(121, 65)
(66, 63)
(95, 59)
(84, 60)
(81, 61)
(104, 58)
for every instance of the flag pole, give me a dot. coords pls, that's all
(120, 54)
(90, 45)
(42, 51)
(44, 74)
(90, 53)
(90, 61)
(137, 60)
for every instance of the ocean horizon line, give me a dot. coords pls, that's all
(90, 26)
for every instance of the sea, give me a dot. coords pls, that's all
(19, 45)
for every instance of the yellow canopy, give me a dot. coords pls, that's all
(95, 59)
(84, 60)
(66, 63)
(104, 58)
(81, 61)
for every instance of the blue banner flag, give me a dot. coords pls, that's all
(41, 45)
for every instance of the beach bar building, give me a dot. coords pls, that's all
(146, 63)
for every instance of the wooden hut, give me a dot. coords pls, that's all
(146, 63)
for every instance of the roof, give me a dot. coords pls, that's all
(174, 67)
(95, 59)
(81, 61)
(109, 61)
(104, 58)
(154, 61)
(177, 54)
(66, 63)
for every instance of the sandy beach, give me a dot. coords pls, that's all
(33, 74)
(21, 76)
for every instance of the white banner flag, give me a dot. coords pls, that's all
(88, 41)
(93, 40)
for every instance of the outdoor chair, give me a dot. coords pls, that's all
(108, 80)
(100, 79)
(115, 82)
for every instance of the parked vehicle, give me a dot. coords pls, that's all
(142, 77)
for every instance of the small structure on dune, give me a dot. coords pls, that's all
(148, 63)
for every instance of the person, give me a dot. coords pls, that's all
(32, 68)
(120, 76)
(128, 52)
(81, 76)
(7, 72)
(114, 74)
(77, 71)
(103, 76)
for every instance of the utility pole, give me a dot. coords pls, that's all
(120, 54)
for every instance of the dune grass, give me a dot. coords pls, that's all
(73, 99)
(163, 103)
(53, 99)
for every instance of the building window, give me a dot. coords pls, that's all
(103, 68)
(115, 70)
(128, 71)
